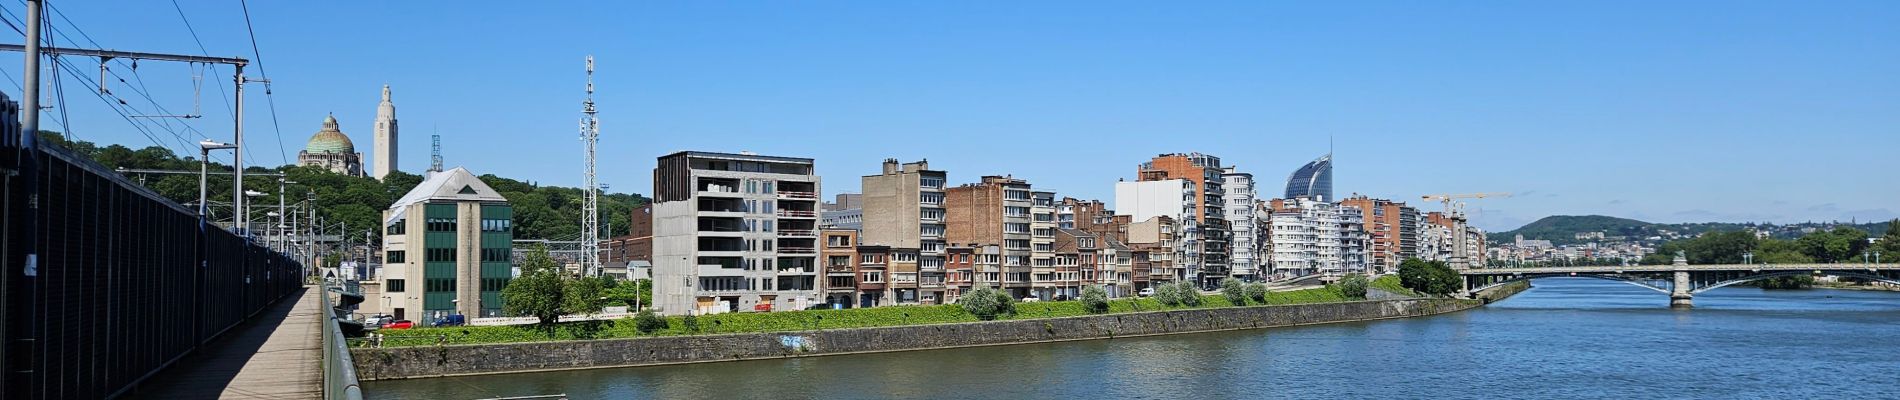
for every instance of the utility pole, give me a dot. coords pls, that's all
(590, 203)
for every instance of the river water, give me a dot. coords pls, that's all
(1564, 338)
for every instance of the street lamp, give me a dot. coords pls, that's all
(244, 218)
(204, 163)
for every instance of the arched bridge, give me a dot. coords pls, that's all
(1680, 281)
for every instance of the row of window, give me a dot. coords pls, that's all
(498, 225)
(438, 255)
(497, 255)
(394, 257)
(396, 228)
(440, 224)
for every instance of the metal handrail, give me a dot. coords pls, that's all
(339, 372)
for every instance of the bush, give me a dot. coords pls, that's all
(1257, 291)
(1094, 299)
(1189, 294)
(1353, 286)
(690, 322)
(986, 303)
(1165, 294)
(646, 322)
(1232, 288)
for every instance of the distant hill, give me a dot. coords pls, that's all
(1563, 229)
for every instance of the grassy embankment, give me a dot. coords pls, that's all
(803, 320)
(1390, 283)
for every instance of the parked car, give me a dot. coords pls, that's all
(1146, 292)
(377, 321)
(400, 324)
(451, 320)
(1031, 299)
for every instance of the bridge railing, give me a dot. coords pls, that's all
(105, 282)
(339, 371)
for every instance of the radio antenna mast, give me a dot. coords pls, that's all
(590, 203)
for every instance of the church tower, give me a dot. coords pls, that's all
(385, 136)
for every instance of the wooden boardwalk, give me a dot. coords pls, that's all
(278, 354)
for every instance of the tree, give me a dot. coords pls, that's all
(631, 293)
(646, 322)
(1842, 244)
(584, 295)
(1189, 294)
(1353, 286)
(985, 303)
(1167, 295)
(1429, 277)
(1257, 291)
(538, 292)
(1231, 288)
(1095, 299)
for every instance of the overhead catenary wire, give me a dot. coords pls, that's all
(257, 58)
(119, 105)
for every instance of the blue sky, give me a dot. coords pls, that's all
(1672, 111)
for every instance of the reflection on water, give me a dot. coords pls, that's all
(1565, 338)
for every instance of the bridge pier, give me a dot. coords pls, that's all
(1679, 295)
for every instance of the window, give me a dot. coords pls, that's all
(905, 257)
(932, 213)
(439, 285)
(493, 284)
(497, 254)
(873, 277)
(1015, 228)
(1045, 247)
(931, 198)
(1016, 244)
(1014, 211)
(497, 225)
(1015, 195)
(393, 257)
(871, 259)
(439, 255)
(395, 286)
(441, 224)
(838, 241)
(395, 228)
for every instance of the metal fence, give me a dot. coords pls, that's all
(339, 372)
(106, 282)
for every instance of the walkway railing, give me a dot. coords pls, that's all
(339, 372)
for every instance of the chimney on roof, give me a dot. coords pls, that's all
(890, 166)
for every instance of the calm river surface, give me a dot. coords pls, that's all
(1565, 338)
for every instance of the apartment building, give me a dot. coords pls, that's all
(1042, 239)
(735, 232)
(904, 208)
(1078, 264)
(873, 275)
(1176, 200)
(1392, 229)
(840, 259)
(1204, 173)
(1152, 243)
(1243, 224)
(1315, 237)
(996, 211)
(452, 237)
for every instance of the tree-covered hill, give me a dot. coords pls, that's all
(541, 212)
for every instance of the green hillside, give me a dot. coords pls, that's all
(1562, 229)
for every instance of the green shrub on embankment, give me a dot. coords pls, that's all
(1390, 283)
(785, 321)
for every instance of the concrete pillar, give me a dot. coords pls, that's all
(1679, 296)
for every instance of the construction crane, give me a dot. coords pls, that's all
(1455, 212)
(1455, 209)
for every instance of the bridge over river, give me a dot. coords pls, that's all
(1680, 280)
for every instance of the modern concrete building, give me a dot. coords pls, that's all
(734, 232)
(1312, 181)
(904, 209)
(848, 218)
(1242, 224)
(330, 149)
(996, 211)
(1209, 222)
(385, 137)
(447, 250)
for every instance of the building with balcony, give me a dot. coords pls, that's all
(1242, 223)
(1153, 243)
(1315, 237)
(735, 232)
(1392, 230)
(904, 209)
(1175, 199)
(1043, 222)
(996, 211)
(1208, 221)
(839, 257)
(447, 250)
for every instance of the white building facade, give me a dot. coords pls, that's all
(735, 233)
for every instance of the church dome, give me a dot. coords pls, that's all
(330, 139)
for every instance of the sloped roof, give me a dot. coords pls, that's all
(453, 185)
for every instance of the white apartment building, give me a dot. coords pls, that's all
(1316, 237)
(734, 232)
(1242, 224)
